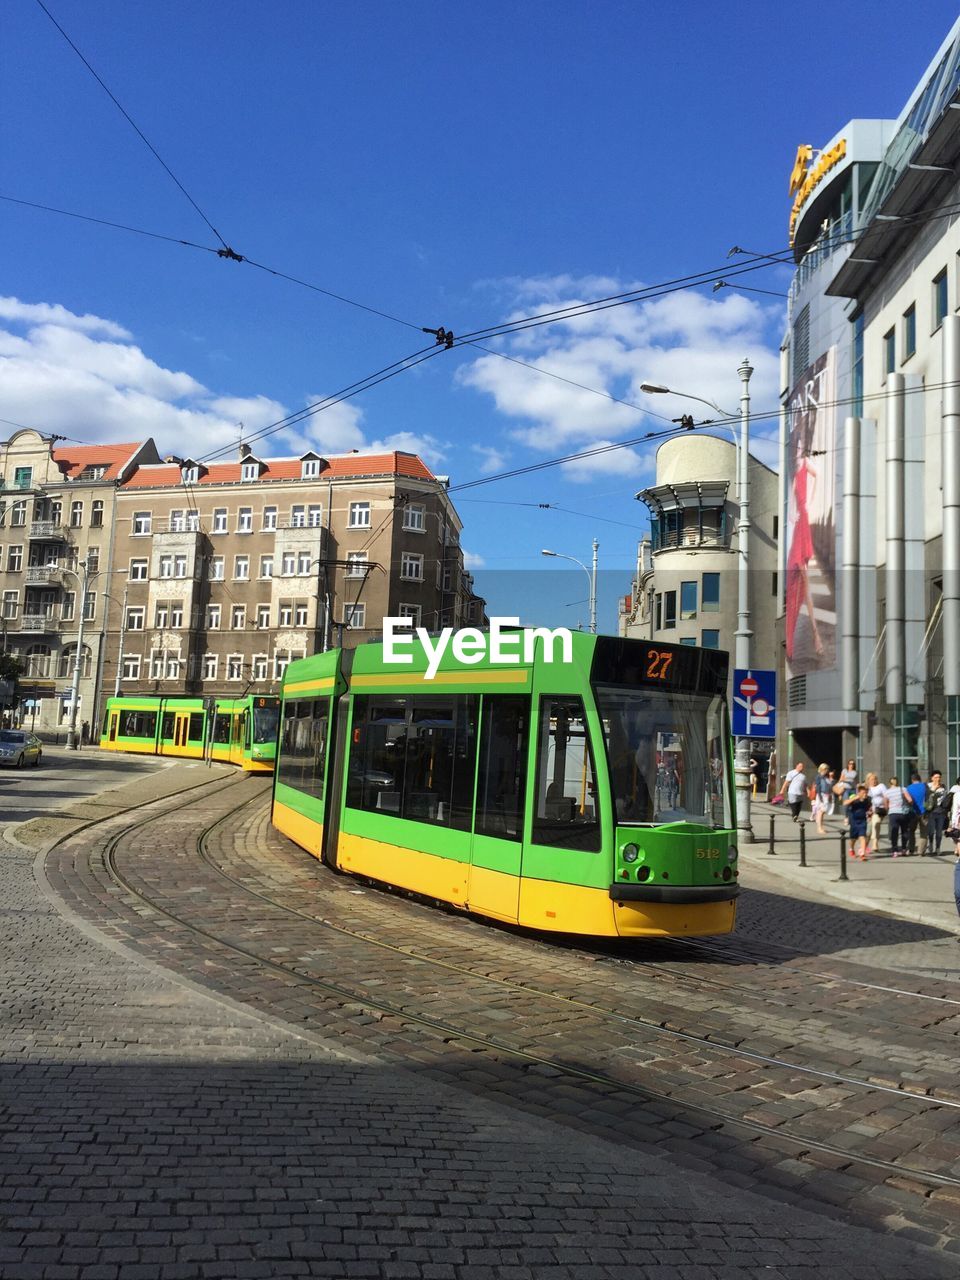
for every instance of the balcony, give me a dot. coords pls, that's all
(40, 623)
(44, 575)
(48, 531)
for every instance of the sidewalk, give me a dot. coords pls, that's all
(918, 889)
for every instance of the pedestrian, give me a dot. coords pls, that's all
(938, 811)
(898, 808)
(832, 802)
(793, 788)
(85, 732)
(858, 810)
(848, 777)
(953, 832)
(917, 828)
(878, 809)
(821, 796)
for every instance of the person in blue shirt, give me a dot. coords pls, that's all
(917, 830)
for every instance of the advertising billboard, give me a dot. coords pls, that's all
(811, 586)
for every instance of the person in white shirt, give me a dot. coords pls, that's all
(899, 807)
(794, 786)
(878, 809)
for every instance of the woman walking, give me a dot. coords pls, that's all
(858, 807)
(898, 810)
(953, 831)
(878, 809)
(821, 796)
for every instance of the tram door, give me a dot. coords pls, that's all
(181, 729)
(114, 718)
(494, 885)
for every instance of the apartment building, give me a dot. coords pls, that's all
(226, 572)
(57, 505)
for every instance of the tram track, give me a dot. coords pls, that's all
(452, 1033)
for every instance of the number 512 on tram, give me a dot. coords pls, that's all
(590, 796)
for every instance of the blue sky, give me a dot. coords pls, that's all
(451, 166)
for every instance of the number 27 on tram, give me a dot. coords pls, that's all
(590, 796)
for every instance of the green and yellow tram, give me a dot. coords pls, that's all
(589, 796)
(240, 731)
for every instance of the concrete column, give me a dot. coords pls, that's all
(895, 571)
(951, 506)
(850, 572)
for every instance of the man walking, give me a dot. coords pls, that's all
(793, 788)
(938, 805)
(917, 821)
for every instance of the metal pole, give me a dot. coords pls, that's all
(123, 632)
(770, 849)
(843, 856)
(743, 633)
(72, 743)
(803, 844)
(593, 589)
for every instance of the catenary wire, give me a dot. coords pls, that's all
(133, 124)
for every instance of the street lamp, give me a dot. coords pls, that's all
(743, 633)
(83, 586)
(591, 578)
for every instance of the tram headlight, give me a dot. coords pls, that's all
(643, 873)
(630, 852)
(732, 853)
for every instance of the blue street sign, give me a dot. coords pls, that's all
(754, 704)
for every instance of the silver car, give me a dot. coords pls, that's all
(17, 747)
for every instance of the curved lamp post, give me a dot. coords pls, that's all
(591, 578)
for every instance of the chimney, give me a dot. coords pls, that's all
(245, 451)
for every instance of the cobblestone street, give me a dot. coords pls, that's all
(152, 1130)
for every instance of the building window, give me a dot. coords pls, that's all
(260, 666)
(414, 517)
(241, 568)
(189, 475)
(177, 522)
(298, 516)
(906, 739)
(180, 566)
(689, 640)
(96, 515)
(953, 737)
(263, 617)
(238, 617)
(300, 615)
(774, 583)
(356, 564)
(245, 520)
(176, 614)
(235, 666)
(141, 523)
(309, 468)
(304, 561)
(76, 515)
(266, 566)
(138, 570)
(285, 613)
(23, 477)
(15, 559)
(314, 516)
(210, 664)
(166, 566)
(940, 302)
(710, 599)
(10, 601)
(94, 472)
(217, 568)
(18, 515)
(669, 610)
(131, 667)
(219, 520)
(412, 611)
(213, 617)
(910, 331)
(688, 601)
(354, 616)
(288, 564)
(710, 639)
(658, 611)
(411, 567)
(889, 351)
(90, 606)
(250, 471)
(161, 616)
(359, 515)
(269, 518)
(135, 619)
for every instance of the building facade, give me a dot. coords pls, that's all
(57, 507)
(194, 579)
(685, 589)
(872, 365)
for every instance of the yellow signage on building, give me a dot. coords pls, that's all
(805, 178)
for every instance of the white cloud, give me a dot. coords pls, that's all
(338, 430)
(47, 313)
(472, 561)
(687, 340)
(491, 459)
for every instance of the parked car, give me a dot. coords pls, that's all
(17, 747)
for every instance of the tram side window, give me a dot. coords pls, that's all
(501, 783)
(166, 725)
(566, 810)
(221, 727)
(415, 758)
(303, 747)
(138, 724)
(195, 730)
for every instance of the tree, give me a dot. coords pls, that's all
(10, 668)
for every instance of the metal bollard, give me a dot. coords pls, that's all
(770, 848)
(843, 856)
(803, 844)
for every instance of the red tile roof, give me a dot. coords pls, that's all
(73, 458)
(153, 476)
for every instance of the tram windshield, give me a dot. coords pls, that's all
(668, 755)
(266, 721)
